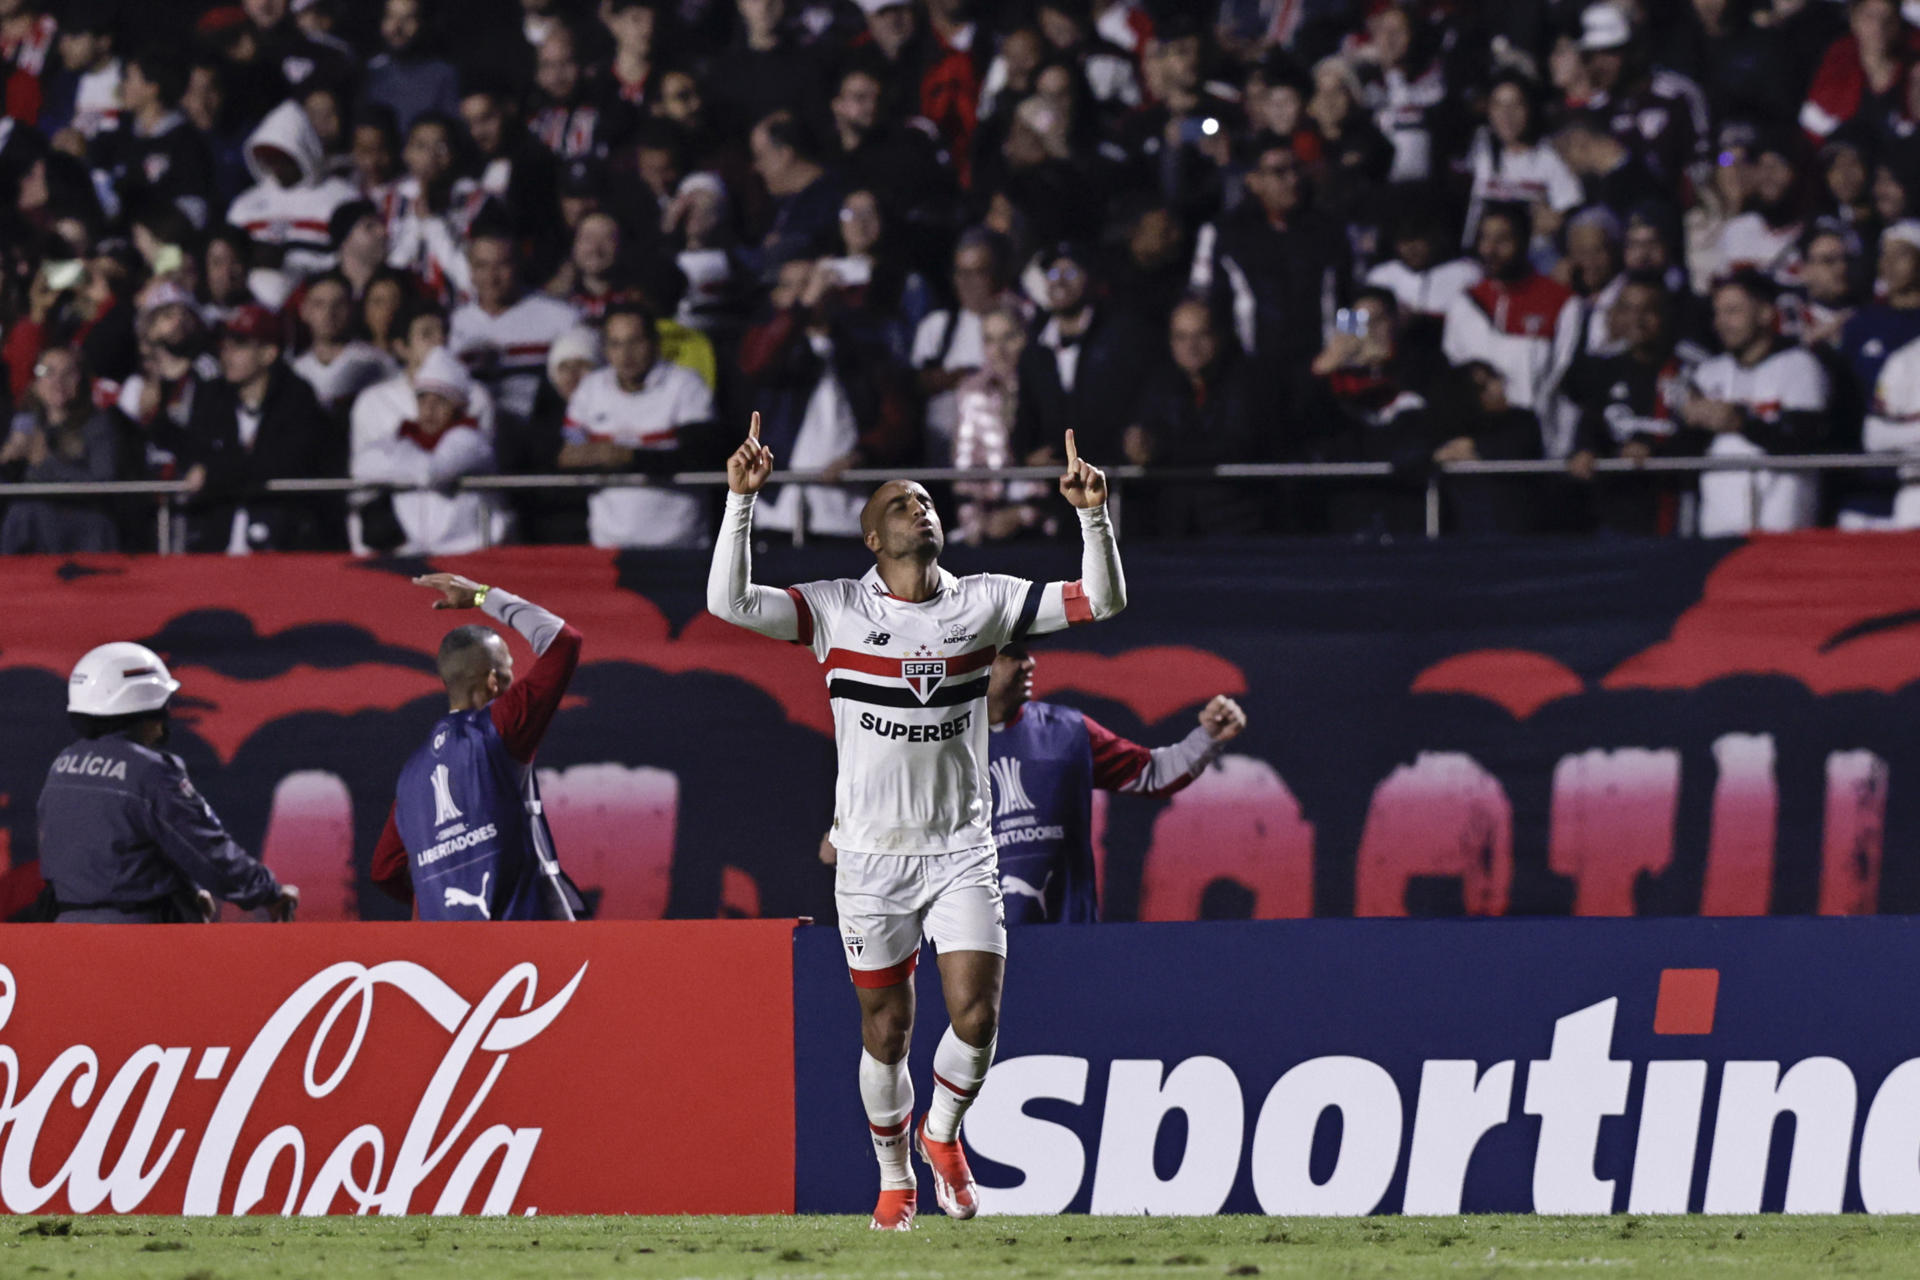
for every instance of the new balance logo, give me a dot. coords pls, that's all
(444, 809)
(456, 897)
(878, 637)
(1009, 795)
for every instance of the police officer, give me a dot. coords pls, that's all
(124, 837)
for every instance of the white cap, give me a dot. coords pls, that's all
(575, 344)
(444, 376)
(871, 7)
(1906, 231)
(119, 679)
(1603, 27)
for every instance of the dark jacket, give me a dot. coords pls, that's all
(122, 827)
(1115, 357)
(784, 369)
(1291, 277)
(294, 442)
(1225, 418)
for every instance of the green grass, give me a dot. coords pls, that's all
(405, 1248)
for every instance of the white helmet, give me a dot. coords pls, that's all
(119, 679)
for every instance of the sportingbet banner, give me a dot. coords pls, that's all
(1540, 727)
(492, 1069)
(1433, 1067)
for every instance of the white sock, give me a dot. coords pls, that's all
(958, 1069)
(887, 1092)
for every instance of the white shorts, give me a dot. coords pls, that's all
(888, 901)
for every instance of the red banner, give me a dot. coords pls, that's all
(501, 1069)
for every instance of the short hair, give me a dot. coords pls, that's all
(327, 277)
(412, 308)
(785, 129)
(1516, 215)
(1754, 284)
(462, 651)
(635, 310)
(1380, 294)
(164, 71)
(992, 241)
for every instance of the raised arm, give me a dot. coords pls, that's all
(523, 712)
(1101, 591)
(1123, 765)
(730, 591)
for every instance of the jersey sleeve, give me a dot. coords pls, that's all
(523, 712)
(392, 869)
(1098, 594)
(819, 608)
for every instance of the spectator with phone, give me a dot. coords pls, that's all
(58, 438)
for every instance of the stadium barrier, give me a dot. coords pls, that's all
(1435, 479)
(1430, 1067)
(1286, 1068)
(512, 1069)
(1464, 727)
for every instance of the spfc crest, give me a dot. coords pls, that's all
(924, 675)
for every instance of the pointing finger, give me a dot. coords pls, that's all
(753, 427)
(1073, 453)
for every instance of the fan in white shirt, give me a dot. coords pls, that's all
(632, 416)
(1764, 396)
(439, 441)
(338, 370)
(503, 335)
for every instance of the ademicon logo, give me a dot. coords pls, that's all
(375, 1172)
(1572, 1090)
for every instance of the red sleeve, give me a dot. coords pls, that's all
(524, 711)
(1116, 761)
(392, 870)
(762, 344)
(22, 350)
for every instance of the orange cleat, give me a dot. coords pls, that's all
(954, 1189)
(895, 1210)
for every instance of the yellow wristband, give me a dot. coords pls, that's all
(480, 596)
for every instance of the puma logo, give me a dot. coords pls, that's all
(1014, 884)
(457, 897)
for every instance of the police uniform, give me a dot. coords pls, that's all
(124, 837)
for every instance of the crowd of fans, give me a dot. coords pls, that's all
(415, 241)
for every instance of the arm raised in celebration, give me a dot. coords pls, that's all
(731, 593)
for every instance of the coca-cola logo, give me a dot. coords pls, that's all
(116, 1163)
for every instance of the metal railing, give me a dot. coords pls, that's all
(1118, 476)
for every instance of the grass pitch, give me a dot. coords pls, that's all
(732, 1248)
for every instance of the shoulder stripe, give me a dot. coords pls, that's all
(1029, 610)
(805, 614)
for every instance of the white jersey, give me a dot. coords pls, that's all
(359, 365)
(1893, 426)
(670, 397)
(1430, 292)
(908, 684)
(508, 352)
(1740, 502)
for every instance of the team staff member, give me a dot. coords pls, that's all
(124, 837)
(1046, 761)
(466, 839)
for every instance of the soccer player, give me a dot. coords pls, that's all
(1046, 761)
(466, 839)
(907, 650)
